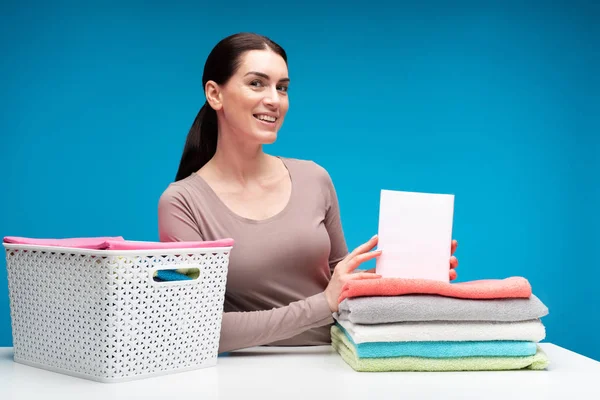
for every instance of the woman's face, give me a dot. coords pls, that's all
(255, 100)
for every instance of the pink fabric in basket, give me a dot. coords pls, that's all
(133, 245)
(116, 243)
(99, 243)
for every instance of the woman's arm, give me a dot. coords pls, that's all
(243, 329)
(255, 328)
(333, 223)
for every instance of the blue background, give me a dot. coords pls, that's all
(497, 103)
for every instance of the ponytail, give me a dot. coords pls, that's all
(201, 143)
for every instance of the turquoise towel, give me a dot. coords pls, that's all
(495, 348)
(167, 275)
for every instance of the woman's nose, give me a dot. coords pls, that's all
(272, 98)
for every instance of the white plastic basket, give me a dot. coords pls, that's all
(100, 315)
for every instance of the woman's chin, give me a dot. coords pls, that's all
(266, 137)
(270, 141)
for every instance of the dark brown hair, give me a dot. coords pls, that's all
(222, 62)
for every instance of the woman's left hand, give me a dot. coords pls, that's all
(453, 260)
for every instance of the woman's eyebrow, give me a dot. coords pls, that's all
(263, 75)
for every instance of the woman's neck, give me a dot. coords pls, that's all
(240, 162)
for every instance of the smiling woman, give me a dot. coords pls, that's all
(245, 79)
(290, 259)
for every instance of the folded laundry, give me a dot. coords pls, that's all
(423, 307)
(140, 245)
(116, 243)
(192, 273)
(513, 287)
(76, 242)
(170, 275)
(532, 330)
(344, 347)
(440, 349)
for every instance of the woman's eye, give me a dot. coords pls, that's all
(258, 83)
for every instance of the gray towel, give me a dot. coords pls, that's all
(420, 307)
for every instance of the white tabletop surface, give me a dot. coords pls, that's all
(312, 373)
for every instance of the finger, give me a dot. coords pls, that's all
(363, 248)
(453, 262)
(368, 271)
(453, 274)
(361, 258)
(365, 275)
(453, 246)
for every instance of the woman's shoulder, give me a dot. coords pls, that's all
(313, 178)
(308, 168)
(180, 192)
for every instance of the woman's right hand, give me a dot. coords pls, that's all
(344, 271)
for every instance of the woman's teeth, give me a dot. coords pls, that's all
(266, 118)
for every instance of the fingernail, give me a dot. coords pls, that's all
(374, 236)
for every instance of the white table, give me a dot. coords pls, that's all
(312, 373)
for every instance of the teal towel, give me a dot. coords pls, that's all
(167, 275)
(494, 348)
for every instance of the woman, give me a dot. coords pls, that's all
(290, 258)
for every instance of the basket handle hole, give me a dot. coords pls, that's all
(176, 274)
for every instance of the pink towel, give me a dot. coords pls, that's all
(513, 287)
(79, 243)
(116, 243)
(132, 245)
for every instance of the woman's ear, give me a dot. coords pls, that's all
(213, 95)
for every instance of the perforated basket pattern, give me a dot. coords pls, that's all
(104, 317)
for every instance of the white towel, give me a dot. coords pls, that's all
(531, 330)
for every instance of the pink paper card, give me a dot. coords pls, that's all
(415, 234)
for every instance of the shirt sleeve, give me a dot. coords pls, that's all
(333, 224)
(254, 328)
(243, 329)
(176, 222)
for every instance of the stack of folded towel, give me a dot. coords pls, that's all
(119, 243)
(393, 324)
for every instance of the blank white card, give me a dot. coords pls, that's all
(415, 234)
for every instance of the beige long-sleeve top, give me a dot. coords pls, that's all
(278, 267)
